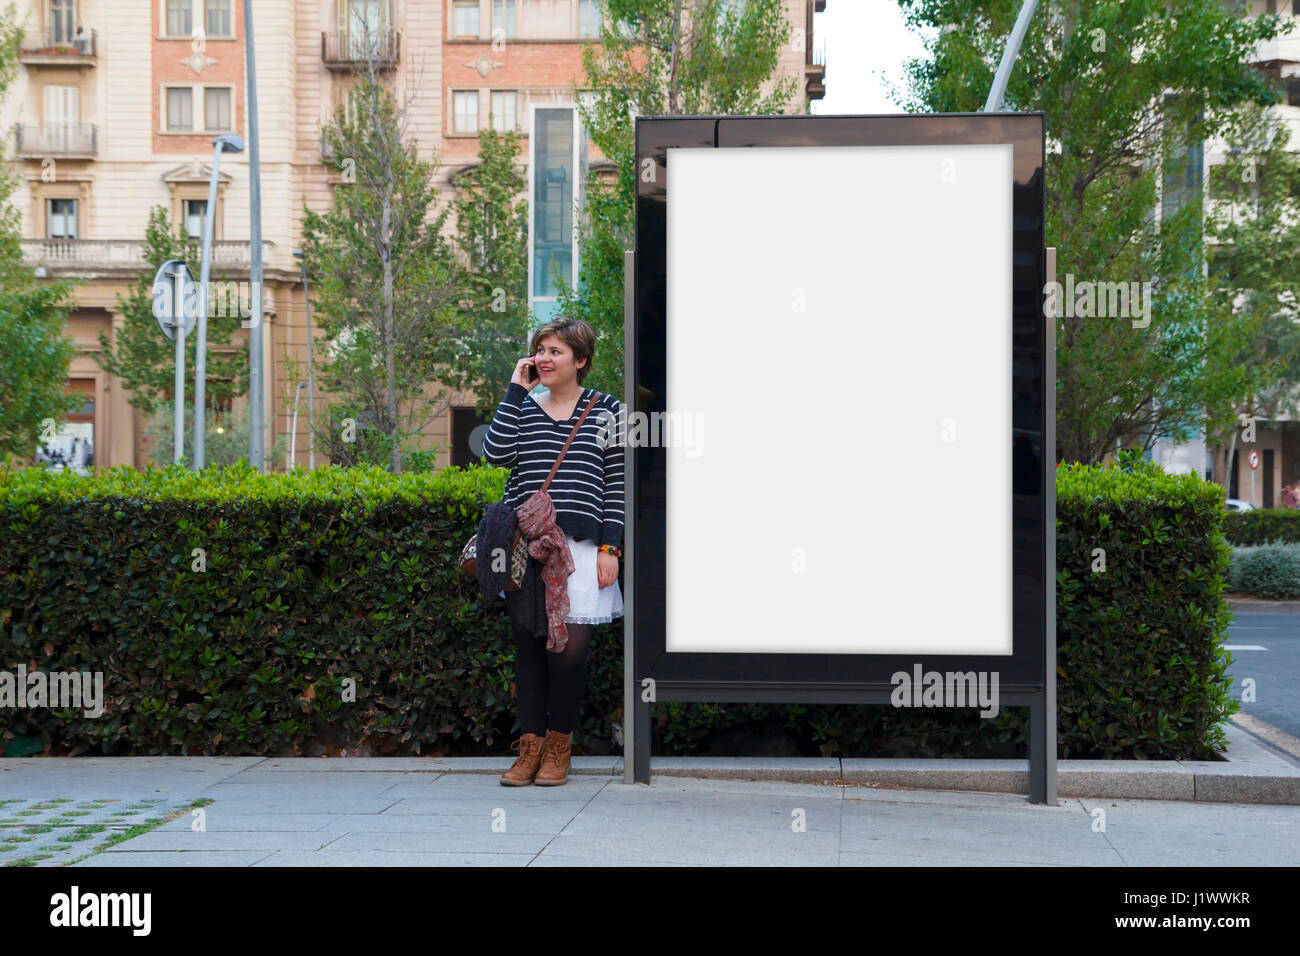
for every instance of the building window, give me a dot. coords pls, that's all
(180, 108)
(62, 118)
(467, 112)
(216, 108)
(588, 18)
(63, 21)
(61, 219)
(216, 18)
(734, 8)
(179, 22)
(73, 445)
(365, 26)
(503, 17)
(465, 18)
(193, 211)
(503, 110)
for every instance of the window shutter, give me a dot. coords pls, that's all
(62, 113)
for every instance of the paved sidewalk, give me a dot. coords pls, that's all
(413, 811)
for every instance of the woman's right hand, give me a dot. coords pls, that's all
(521, 373)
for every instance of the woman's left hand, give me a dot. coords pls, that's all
(606, 569)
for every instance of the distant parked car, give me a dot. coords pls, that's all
(1236, 504)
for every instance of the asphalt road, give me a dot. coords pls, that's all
(1274, 666)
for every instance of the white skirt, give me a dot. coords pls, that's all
(588, 602)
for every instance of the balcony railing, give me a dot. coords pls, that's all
(349, 51)
(1285, 49)
(57, 46)
(56, 139)
(125, 253)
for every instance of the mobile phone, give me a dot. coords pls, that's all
(532, 373)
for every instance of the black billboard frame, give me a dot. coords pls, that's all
(1027, 676)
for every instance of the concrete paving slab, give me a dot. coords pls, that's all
(289, 803)
(748, 848)
(971, 834)
(477, 842)
(120, 777)
(392, 858)
(547, 820)
(691, 785)
(219, 818)
(321, 782)
(510, 798)
(547, 858)
(213, 840)
(472, 781)
(220, 858)
(348, 765)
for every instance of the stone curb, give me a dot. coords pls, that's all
(1237, 606)
(1253, 773)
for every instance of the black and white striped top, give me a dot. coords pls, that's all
(588, 487)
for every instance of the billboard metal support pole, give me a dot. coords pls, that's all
(994, 103)
(1042, 712)
(1047, 732)
(631, 722)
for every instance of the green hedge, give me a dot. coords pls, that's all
(316, 577)
(1139, 645)
(311, 578)
(1267, 571)
(1262, 526)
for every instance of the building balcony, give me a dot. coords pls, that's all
(126, 255)
(68, 140)
(348, 52)
(58, 47)
(1284, 51)
(815, 71)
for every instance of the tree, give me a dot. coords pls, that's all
(1256, 227)
(145, 359)
(1126, 86)
(668, 57)
(492, 236)
(34, 348)
(383, 274)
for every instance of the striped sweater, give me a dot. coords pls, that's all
(588, 487)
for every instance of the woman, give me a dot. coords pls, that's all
(527, 435)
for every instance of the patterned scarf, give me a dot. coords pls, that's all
(547, 543)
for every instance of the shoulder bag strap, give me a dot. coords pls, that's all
(555, 467)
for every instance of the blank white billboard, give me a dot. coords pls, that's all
(839, 396)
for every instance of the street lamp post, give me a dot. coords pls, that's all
(256, 403)
(222, 144)
(311, 383)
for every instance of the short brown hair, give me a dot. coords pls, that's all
(575, 333)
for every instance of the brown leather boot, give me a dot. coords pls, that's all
(525, 766)
(555, 759)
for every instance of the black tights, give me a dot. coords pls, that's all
(551, 683)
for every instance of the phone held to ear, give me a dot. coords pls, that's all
(533, 375)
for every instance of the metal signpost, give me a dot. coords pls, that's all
(175, 309)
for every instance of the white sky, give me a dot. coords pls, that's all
(863, 39)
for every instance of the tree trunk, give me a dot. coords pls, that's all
(674, 96)
(390, 372)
